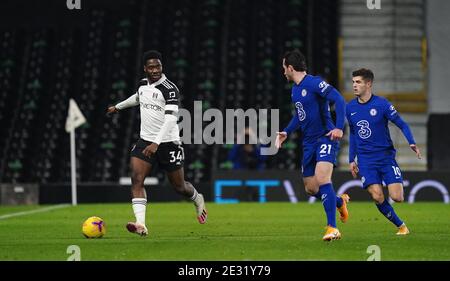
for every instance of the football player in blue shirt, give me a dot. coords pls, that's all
(311, 96)
(371, 152)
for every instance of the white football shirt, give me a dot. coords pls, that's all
(154, 100)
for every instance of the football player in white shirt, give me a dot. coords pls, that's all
(159, 140)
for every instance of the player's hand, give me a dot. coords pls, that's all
(281, 137)
(150, 149)
(111, 110)
(335, 134)
(416, 149)
(354, 169)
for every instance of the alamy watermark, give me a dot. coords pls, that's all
(373, 4)
(75, 253)
(375, 253)
(236, 127)
(73, 4)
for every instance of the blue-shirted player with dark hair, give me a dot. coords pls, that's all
(311, 96)
(372, 153)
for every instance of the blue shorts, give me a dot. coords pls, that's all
(386, 171)
(323, 150)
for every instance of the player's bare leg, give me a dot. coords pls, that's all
(311, 186)
(176, 179)
(139, 170)
(376, 191)
(396, 194)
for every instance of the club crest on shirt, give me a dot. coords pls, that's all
(373, 112)
(304, 93)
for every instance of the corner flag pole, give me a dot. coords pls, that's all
(74, 119)
(73, 168)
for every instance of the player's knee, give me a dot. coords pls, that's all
(321, 180)
(398, 198)
(179, 187)
(311, 189)
(137, 179)
(378, 197)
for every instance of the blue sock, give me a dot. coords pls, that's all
(386, 209)
(328, 198)
(318, 195)
(339, 201)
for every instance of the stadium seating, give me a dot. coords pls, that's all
(226, 54)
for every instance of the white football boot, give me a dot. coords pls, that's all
(137, 228)
(199, 204)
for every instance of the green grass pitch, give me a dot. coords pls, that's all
(234, 232)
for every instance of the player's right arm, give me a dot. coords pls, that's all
(293, 125)
(352, 149)
(129, 102)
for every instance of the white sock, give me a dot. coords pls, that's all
(195, 197)
(139, 206)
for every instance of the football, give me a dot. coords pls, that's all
(94, 227)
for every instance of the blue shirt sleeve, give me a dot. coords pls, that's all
(352, 142)
(339, 103)
(327, 117)
(293, 125)
(328, 92)
(352, 146)
(391, 114)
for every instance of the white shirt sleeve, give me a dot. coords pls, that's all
(170, 120)
(129, 102)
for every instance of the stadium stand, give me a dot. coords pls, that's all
(393, 44)
(226, 54)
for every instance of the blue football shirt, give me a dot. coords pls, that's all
(312, 107)
(370, 138)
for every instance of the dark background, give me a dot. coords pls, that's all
(224, 53)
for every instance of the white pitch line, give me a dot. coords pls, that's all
(24, 213)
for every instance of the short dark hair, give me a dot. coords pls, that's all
(152, 54)
(296, 59)
(365, 73)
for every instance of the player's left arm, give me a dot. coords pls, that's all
(352, 149)
(170, 120)
(392, 115)
(332, 95)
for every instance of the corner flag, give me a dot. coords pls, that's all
(74, 118)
